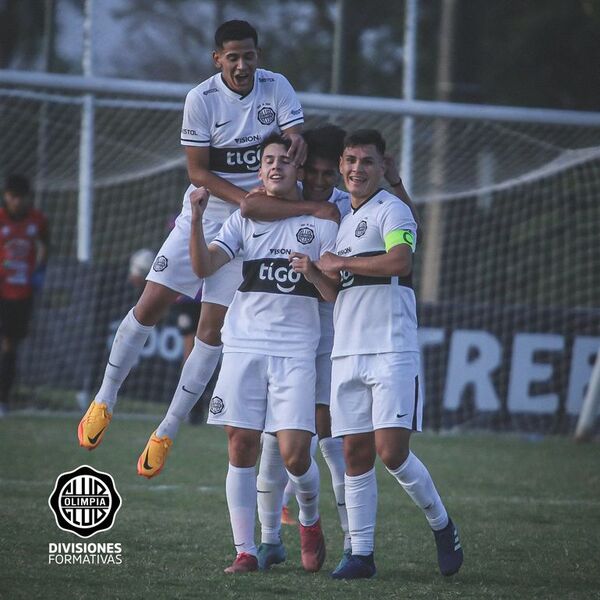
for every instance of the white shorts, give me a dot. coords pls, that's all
(375, 391)
(172, 266)
(265, 393)
(323, 391)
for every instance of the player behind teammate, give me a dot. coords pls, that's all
(375, 402)
(224, 120)
(23, 255)
(321, 174)
(270, 336)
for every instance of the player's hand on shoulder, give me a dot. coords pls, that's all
(198, 201)
(390, 173)
(297, 151)
(329, 263)
(327, 211)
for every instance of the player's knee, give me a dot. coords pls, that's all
(359, 458)
(209, 335)
(392, 458)
(243, 448)
(153, 304)
(297, 464)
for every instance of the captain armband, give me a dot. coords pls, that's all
(399, 236)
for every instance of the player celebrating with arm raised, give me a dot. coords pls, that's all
(375, 401)
(225, 118)
(270, 336)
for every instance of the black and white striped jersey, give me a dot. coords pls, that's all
(374, 314)
(275, 310)
(233, 126)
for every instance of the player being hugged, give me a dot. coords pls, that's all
(225, 118)
(270, 337)
(375, 399)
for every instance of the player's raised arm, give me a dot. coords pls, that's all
(205, 259)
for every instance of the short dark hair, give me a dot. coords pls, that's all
(18, 185)
(274, 138)
(326, 142)
(364, 137)
(234, 31)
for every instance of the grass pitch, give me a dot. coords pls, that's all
(528, 511)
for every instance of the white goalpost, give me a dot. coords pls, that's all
(509, 335)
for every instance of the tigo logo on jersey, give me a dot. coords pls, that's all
(281, 275)
(347, 278)
(84, 501)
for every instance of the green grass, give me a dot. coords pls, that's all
(528, 513)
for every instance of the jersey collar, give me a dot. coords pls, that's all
(355, 210)
(229, 92)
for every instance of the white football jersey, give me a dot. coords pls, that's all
(374, 314)
(233, 127)
(275, 310)
(342, 201)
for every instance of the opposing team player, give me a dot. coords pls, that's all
(23, 253)
(375, 401)
(321, 174)
(224, 120)
(270, 336)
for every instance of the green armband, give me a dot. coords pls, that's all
(399, 236)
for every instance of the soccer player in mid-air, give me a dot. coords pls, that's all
(225, 118)
(375, 402)
(270, 335)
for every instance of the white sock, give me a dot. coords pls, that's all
(314, 444)
(288, 493)
(361, 503)
(194, 378)
(125, 351)
(240, 487)
(306, 488)
(417, 483)
(272, 479)
(332, 450)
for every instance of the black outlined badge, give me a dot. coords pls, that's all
(84, 501)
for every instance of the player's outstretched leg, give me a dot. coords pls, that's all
(195, 375)
(414, 477)
(126, 348)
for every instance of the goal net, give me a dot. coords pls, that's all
(507, 271)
